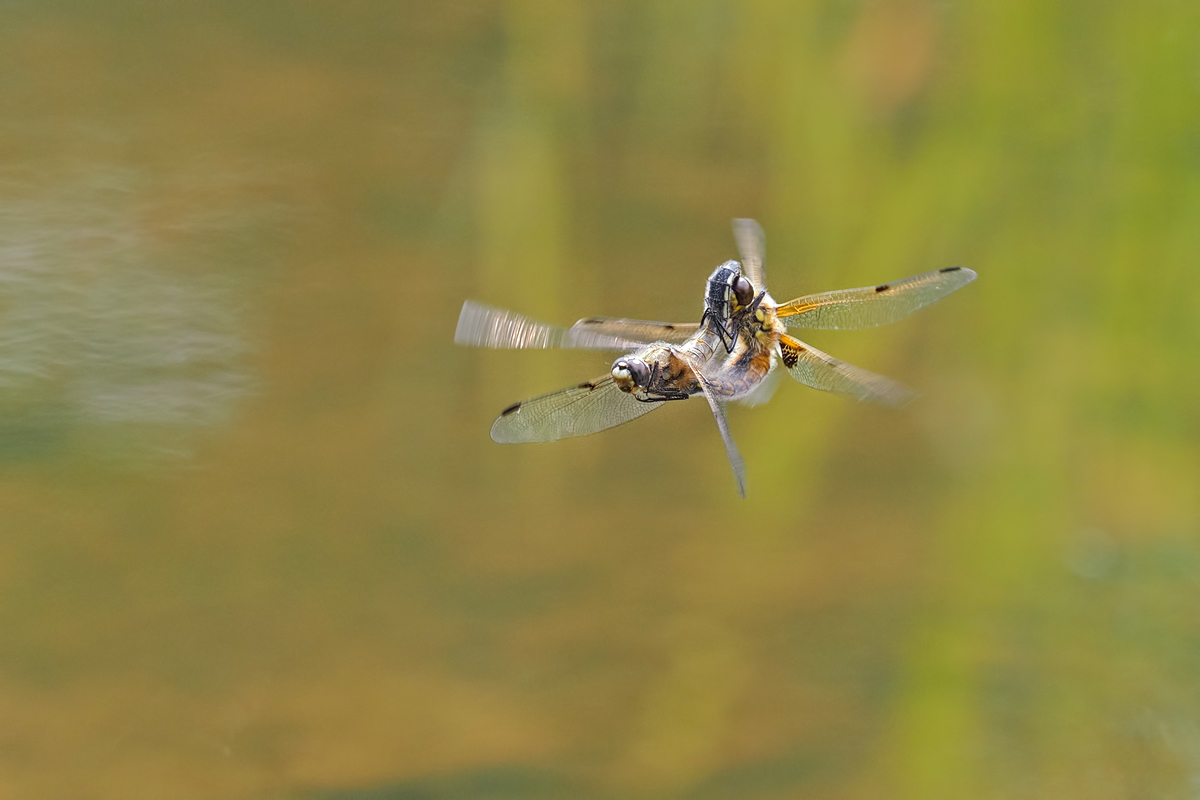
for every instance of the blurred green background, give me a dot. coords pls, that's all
(255, 541)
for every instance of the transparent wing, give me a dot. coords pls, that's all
(587, 408)
(764, 391)
(873, 305)
(731, 449)
(633, 330)
(752, 246)
(822, 371)
(485, 326)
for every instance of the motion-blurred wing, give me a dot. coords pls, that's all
(822, 371)
(752, 246)
(731, 449)
(484, 326)
(873, 305)
(633, 330)
(764, 391)
(587, 408)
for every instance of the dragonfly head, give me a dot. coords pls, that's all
(728, 291)
(630, 372)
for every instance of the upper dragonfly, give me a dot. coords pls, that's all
(672, 361)
(761, 341)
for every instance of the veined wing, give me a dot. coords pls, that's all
(587, 408)
(633, 330)
(873, 305)
(822, 371)
(752, 247)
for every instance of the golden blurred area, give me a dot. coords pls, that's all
(257, 542)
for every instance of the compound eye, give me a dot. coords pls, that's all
(743, 291)
(638, 370)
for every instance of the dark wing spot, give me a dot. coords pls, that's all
(883, 287)
(514, 408)
(791, 355)
(669, 326)
(949, 269)
(591, 321)
(589, 386)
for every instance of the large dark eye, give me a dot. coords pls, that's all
(743, 291)
(638, 370)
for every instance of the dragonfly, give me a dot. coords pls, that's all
(675, 361)
(762, 341)
(666, 362)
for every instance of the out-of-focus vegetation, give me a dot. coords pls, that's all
(257, 543)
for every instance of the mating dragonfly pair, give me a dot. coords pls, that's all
(730, 354)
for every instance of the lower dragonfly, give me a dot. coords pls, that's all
(674, 361)
(667, 363)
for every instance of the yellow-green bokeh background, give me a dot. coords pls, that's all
(336, 586)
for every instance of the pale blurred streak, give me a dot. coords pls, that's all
(106, 321)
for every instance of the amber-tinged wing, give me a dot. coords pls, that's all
(587, 408)
(873, 305)
(822, 371)
(633, 330)
(752, 247)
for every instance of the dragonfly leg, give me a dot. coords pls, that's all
(664, 396)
